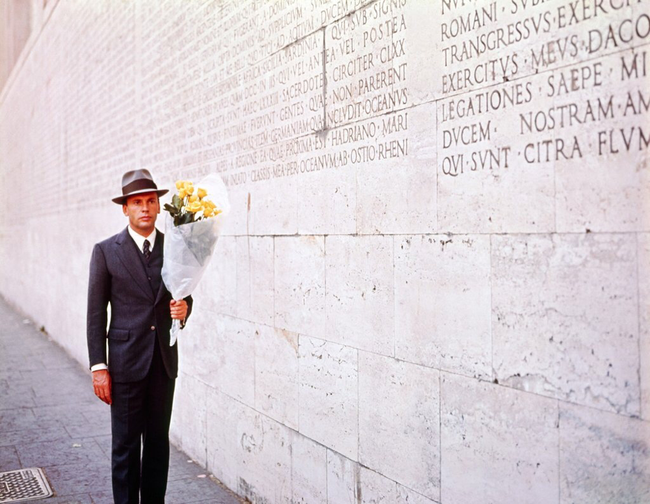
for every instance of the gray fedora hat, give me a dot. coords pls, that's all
(137, 182)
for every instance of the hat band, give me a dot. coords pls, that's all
(138, 185)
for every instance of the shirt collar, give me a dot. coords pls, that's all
(139, 239)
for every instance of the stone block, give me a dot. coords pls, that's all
(362, 81)
(342, 479)
(643, 257)
(217, 290)
(328, 395)
(327, 198)
(223, 460)
(348, 482)
(443, 302)
(497, 444)
(399, 422)
(228, 350)
(308, 471)
(565, 318)
(604, 457)
(300, 283)
(606, 188)
(255, 279)
(273, 207)
(482, 167)
(277, 386)
(377, 489)
(359, 293)
(397, 183)
(422, 21)
(264, 450)
(188, 428)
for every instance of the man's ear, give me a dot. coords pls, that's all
(124, 210)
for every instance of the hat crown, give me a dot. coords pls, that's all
(133, 175)
(137, 182)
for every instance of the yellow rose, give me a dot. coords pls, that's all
(179, 184)
(181, 193)
(189, 187)
(207, 212)
(194, 207)
(202, 193)
(194, 198)
(210, 204)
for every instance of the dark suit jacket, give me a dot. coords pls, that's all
(138, 316)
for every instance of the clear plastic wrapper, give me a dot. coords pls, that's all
(188, 248)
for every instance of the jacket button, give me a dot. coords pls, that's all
(153, 327)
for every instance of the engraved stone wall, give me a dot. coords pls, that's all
(433, 286)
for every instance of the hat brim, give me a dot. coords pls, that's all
(121, 200)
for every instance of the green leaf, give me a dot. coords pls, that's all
(171, 209)
(186, 218)
(177, 202)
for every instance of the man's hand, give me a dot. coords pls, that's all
(178, 309)
(102, 385)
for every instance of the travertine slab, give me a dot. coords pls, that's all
(565, 317)
(308, 471)
(607, 189)
(248, 451)
(255, 279)
(497, 444)
(604, 457)
(342, 479)
(264, 449)
(222, 415)
(197, 340)
(397, 187)
(218, 287)
(188, 427)
(328, 202)
(273, 208)
(377, 489)
(277, 374)
(443, 302)
(328, 395)
(359, 292)
(399, 422)
(482, 167)
(362, 79)
(643, 257)
(300, 283)
(229, 353)
(350, 482)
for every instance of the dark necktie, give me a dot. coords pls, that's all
(146, 250)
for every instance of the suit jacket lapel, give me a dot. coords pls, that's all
(160, 242)
(127, 253)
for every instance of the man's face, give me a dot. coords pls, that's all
(142, 210)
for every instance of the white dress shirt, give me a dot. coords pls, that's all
(139, 241)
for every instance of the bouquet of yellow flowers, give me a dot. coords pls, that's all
(190, 205)
(193, 224)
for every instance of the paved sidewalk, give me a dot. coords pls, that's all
(50, 418)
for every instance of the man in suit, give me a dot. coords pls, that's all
(137, 380)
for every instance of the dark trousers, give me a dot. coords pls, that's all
(140, 414)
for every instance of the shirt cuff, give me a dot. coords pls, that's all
(98, 367)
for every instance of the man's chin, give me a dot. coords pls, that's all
(145, 225)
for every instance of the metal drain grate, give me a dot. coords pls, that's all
(23, 485)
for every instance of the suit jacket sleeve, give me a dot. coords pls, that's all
(99, 289)
(189, 302)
